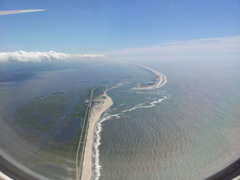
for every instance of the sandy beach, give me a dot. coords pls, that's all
(100, 105)
(158, 80)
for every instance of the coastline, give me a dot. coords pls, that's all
(155, 83)
(101, 104)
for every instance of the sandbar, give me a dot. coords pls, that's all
(152, 84)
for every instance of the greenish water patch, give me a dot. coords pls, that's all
(52, 171)
(52, 106)
(63, 132)
(56, 123)
(77, 112)
(58, 154)
(67, 131)
(46, 126)
(26, 135)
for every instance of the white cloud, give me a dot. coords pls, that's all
(192, 49)
(22, 56)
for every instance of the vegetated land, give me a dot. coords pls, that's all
(98, 91)
(78, 111)
(45, 126)
(26, 135)
(52, 106)
(60, 154)
(43, 114)
(46, 115)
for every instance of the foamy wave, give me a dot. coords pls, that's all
(152, 104)
(98, 128)
(97, 138)
(164, 80)
(96, 144)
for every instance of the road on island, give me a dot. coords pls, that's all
(83, 137)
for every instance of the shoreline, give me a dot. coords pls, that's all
(157, 83)
(101, 104)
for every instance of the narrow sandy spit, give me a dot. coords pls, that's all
(157, 83)
(100, 105)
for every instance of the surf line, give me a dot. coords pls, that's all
(104, 102)
(100, 105)
(156, 83)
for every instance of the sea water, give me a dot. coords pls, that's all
(187, 129)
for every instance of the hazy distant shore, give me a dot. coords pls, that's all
(100, 105)
(152, 84)
(230, 172)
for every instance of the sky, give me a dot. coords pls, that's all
(186, 29)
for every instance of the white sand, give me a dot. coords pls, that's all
(100, 105)
(159, 80)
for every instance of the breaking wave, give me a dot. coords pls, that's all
(96, 144)
(106, 116)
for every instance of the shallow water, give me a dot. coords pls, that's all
(187, 129)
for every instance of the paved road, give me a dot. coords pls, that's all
(82, 139)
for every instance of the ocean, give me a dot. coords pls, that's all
(186, 129)
(189, 128)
